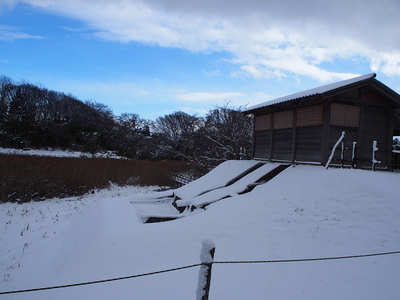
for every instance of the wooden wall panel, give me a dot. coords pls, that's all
(375, 125)
(371, 94)
(282, 148)
(262, 122)
(310, 116)
(283, 119)
(345, 115)
(262, 144)
(309, 144)
(353, 93)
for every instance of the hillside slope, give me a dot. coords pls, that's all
(304, 212)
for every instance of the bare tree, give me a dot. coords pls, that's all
(56, 107)
(179, 130)
(7, 88)
(25, 102)
(134, 124)
(230, 132)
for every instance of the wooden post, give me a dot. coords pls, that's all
(354, 156)
(334, 149)
(374, 149)
(342, 153)
(207, 259)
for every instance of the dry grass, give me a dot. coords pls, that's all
(26, 178)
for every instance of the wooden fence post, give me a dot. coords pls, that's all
(207, 259)
(334, 149)
(374, 149)
(354, 155)
(342, 148)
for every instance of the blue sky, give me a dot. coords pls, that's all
(155, 57)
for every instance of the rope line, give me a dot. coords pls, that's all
(304, 259)
(97, 281)
(199, 264)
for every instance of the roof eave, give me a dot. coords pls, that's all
(328, 93)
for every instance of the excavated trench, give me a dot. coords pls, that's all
(262, 180)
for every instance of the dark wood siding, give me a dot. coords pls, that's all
(349, 138)
(309, 144)
(353, 93)
(375, 124)
(283, 119)
(310, 116)
(371, 94)
(345, 115)
(262, 140)
(282, 148)
(262, 122)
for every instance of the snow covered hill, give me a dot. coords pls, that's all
(304, 212)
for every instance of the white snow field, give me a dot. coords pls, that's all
(58, 153)
(304, 212)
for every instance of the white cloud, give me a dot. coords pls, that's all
(212, 73)
(207, 97)
(110, 93)
(258, 72)
(387, 62)
(193, 111)
(7, 4)
(10, 33)
(235, 99)
(267, 38)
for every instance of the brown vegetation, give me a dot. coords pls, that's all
(26, 178)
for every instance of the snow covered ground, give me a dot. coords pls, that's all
(304, 212)
(56, 153)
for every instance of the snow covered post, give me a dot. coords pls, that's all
(374, 149)
(207, 259)
(342, 148)
(334, 149)
(354, 155)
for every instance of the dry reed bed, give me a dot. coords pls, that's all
(25, 178)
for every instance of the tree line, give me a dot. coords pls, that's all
(32, 116)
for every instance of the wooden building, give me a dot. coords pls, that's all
(304, 127)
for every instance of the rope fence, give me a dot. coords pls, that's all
(305, 259)
(98, 281)
(200, 264)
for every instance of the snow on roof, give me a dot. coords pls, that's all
(314, 91)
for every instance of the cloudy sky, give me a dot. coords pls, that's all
(155, 57)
